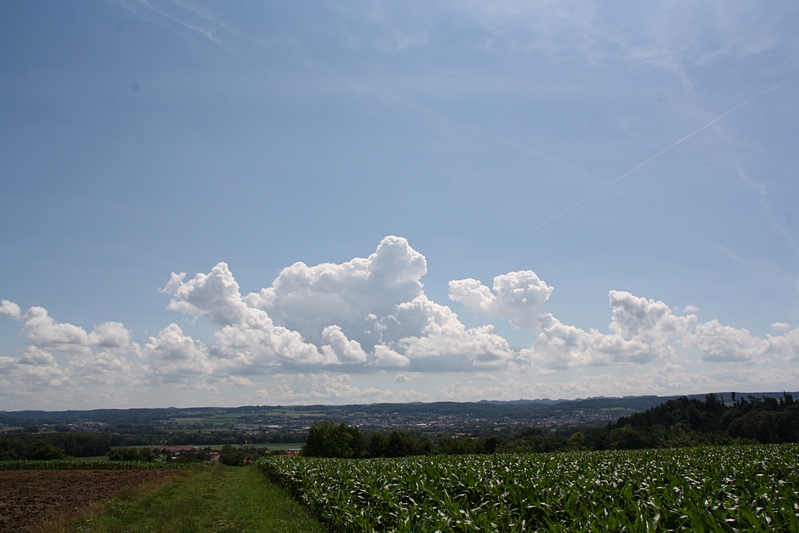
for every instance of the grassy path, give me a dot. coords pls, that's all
(219, 499)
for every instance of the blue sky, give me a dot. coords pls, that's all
(375, 201)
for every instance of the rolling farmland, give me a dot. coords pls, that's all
(732, 488)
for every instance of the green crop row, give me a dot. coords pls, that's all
(714, 489)
(68, 464)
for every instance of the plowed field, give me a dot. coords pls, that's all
(30, 498)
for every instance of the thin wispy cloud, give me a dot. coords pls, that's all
(186, 15)
(660, 153)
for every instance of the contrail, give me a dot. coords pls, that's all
(677, 143)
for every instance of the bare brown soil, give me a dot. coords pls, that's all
(31, 498)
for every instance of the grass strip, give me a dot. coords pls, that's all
(215, 498)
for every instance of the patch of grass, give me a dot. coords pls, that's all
(283, 445)
(215, 498)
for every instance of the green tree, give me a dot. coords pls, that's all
(401, 444)
(326, 439)
(453, 446)
(493, 444)
(240, 455)
(42, 451)
(767, 426)
(577, 441)
(376, 447)
(6, 451)
(131, 454)
(231, 456)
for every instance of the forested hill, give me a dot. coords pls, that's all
(764, 419)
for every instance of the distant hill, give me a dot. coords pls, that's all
(486, 409)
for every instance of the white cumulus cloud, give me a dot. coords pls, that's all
(724, 343)
(365, 313)
(646, 330)
(9, 309)
(173, 352)
(314, 327)
(407, 377)
(340, 347)
(93, 361)
(356, 295)
(784, 346)
(247, 334)
(517, 297)
(43, 330)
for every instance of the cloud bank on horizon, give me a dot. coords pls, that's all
(317, 329)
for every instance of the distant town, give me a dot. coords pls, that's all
(281, 424)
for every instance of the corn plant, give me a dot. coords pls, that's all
(712, 489)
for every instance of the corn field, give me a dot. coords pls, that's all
(714, 489)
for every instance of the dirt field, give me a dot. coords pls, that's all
(29, 498)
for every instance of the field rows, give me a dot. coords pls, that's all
(77, 464)
(729, 489)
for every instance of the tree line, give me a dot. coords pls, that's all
(53, 446)
(145, 436)
(675, 423)
(228, 455)
(327, 439)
